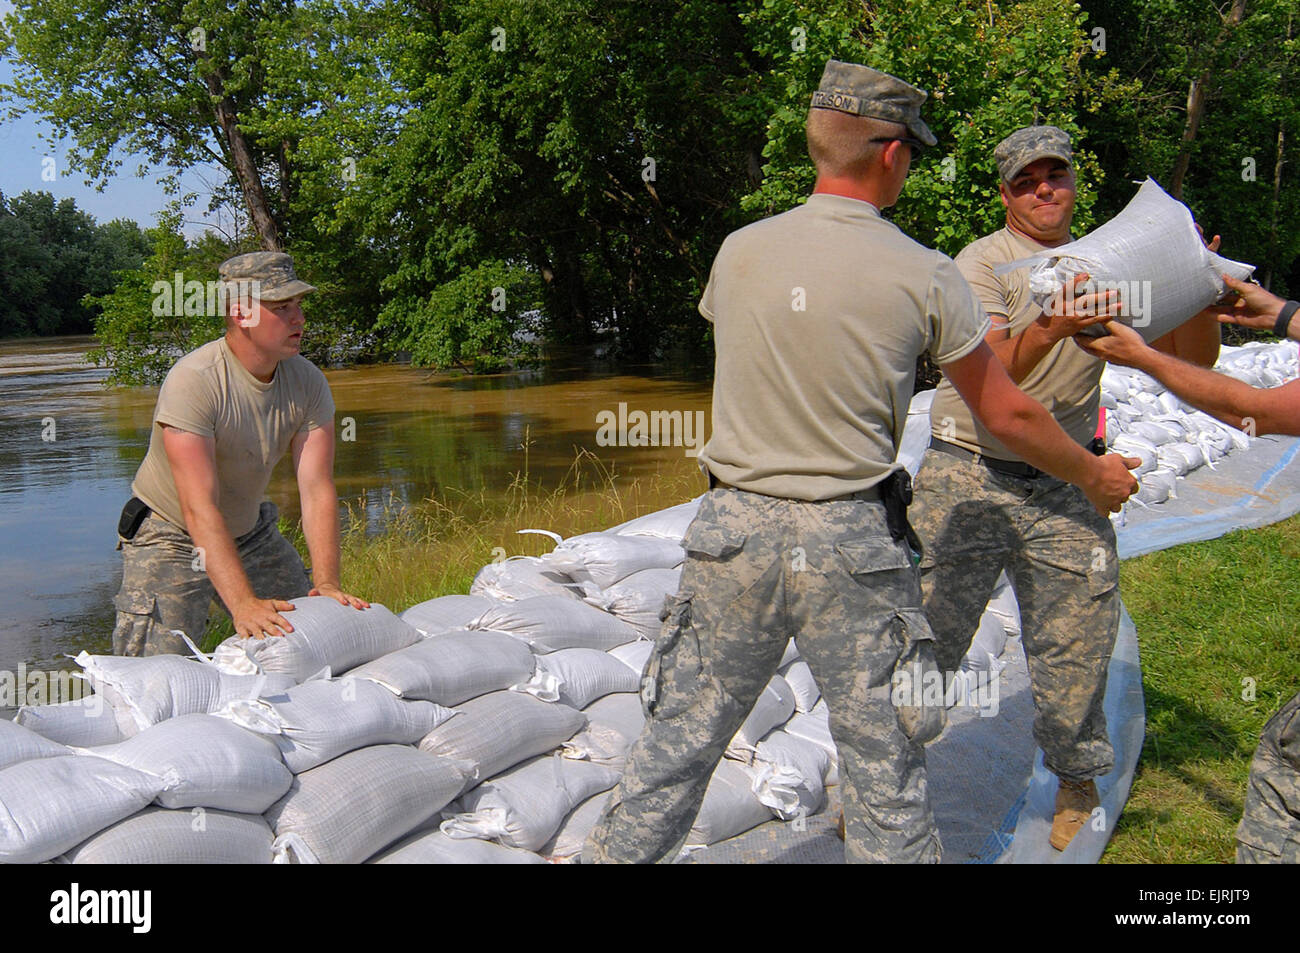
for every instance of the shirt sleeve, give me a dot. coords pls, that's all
(958, 322)
(707, 302)
(187, 401)
(990, 288)
(320, 405)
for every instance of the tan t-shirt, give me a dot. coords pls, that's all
(1067, 381)
(820, 314)
(209, 393)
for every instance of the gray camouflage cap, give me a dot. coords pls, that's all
(272, 270)
(1029, 145)
(863, 91)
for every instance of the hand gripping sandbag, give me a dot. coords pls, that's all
(21, 744)
(205, 761)
(195, 836)
(355, 806)
(1152, 253)
(53, 804)
(326, 634)
(452, 667)
(320, 720)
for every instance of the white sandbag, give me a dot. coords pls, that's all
(603, 559)
(1152, 250)
(498, 730)
(572, 834)
(987, 644)
(815, 726)
(144, 691)
(774, 707)
(452, 667)
(356, 805)
(800, 679)
(633, 654)
(1156, 487)
(1136, 447)
(730, 805)
(435, 847)
(1003, 604)
(525, 806)
(326, 634)
(579, 676)
(320, 720)
(1180, 457)
(790, 775)
(639, 598)
(205, 761)
(613, 725)
(1158, 434)
(668, 524)
(522, 577)
(551, 623)
(84, 722)
(790, 654)
(53, 804)
(22, 744)
(196, 836)
(445, 613)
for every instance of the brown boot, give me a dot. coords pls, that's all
(1075, 801)
(839, 829)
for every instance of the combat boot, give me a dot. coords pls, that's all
(1075, 801)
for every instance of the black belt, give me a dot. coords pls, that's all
(1013, 468)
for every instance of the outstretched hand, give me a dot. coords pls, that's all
(1255, 306)
(1121, 345)
(339, 596)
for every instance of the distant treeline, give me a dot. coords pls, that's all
(462, 177)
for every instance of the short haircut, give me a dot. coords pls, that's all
(840, 145)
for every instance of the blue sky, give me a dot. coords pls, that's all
(125, 195)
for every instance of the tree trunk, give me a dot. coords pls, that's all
(1196, 100)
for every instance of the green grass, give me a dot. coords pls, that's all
(1208, 615)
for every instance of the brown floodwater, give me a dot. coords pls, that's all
(69, 448)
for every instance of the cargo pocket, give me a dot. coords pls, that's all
(135, 619)
(713, 539)
(1259, 842)
(1103, 578)
(917, 686)
(873, 554)
(676, 615)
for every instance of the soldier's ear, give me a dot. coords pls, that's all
(1002, 193)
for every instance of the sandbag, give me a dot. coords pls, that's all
(320, 720)
(730, 806)
(326, 634)
(522, 577)
(576, 677)
(1151, 247)
(445, 613)
(83, 722)
(53, 804)
(569, 839)
(551, 623)
(435, 847)
(498, 730)
(638, 599)
(613, 725)
(790, 775)
(633, 654)
(799, 677)
(815, 727)
(603, 559)
(986, 646)
(452, 667)
(205, 761)
(1003, 604)
(196, 836)
(22, 744)
(525, 806)
(144, 691)
(774, 707)
(356, 805)
(668, 524)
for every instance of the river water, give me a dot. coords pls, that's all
(69, 448)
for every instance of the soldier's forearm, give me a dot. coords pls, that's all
(215, 554)
(1020, 353)
(320, 527)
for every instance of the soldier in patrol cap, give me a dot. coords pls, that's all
(982, 506)
(226, 413)
(819, 315)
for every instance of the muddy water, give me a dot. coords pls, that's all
(69, 448)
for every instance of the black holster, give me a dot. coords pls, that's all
(896, 494)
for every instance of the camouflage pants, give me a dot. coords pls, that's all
(164, 587)
(1060, 555)
(1269, 832)
(760, 570)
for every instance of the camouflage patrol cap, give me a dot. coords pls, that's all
(272, 270)
(863, 91)
(1029, 145)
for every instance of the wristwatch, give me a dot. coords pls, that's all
(1284, 318)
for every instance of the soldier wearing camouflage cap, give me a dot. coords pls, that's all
(819, 316)
(198, 521)
(982, 508)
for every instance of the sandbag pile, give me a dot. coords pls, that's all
(1172, 439)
